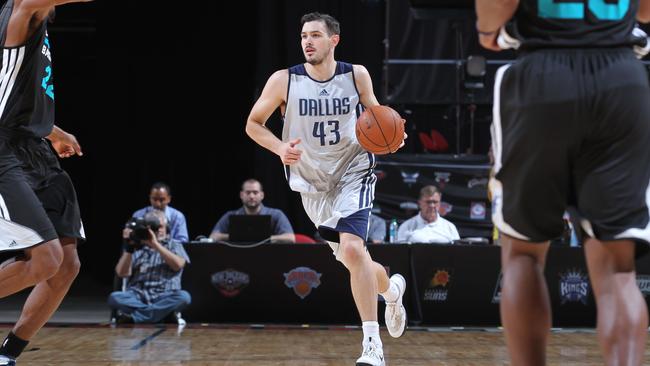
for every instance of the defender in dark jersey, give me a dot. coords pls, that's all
(39, 215)
(570, 129)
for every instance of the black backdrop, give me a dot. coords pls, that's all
(161, 91)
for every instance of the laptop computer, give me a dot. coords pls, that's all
(249, 228)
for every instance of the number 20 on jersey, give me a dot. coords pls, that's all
(576, 9)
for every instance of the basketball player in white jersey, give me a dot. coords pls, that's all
(320, 101)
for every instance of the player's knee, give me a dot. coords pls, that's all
(352, 255)
(70, 268)
(45, 261)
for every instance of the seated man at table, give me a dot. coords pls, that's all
(251, 195)
(427, 226)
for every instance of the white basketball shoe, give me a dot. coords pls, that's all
(372, 355)
(395, 314)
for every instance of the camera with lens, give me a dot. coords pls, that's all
(140, 229)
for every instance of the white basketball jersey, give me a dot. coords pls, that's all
(323, 115)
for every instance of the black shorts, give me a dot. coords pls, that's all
(572, 128)
(38, 202)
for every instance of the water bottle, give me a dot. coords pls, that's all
(392, 231)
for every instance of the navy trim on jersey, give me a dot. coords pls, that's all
(371, 189)
(300, 70)
(367, 189)
(288, 88)
(362, 192)
(343, 68)
(356, 224)
(373, 162)
(354, 81)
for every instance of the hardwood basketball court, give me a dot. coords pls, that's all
(284, 345)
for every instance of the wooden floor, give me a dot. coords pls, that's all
(246, 346)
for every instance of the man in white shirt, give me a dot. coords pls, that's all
(427, 226)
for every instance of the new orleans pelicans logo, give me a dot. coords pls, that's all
(230, 282)
(302, 280)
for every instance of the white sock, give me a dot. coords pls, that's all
(392, 293)
(371, 332)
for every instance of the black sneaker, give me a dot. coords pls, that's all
(6, 361)
(124, 318)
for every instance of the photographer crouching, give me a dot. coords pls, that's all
(153, 264)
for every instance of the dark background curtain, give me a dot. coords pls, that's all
(159, 91)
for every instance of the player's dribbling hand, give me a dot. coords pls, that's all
(489, 41)
(289, 153)
(403, 141)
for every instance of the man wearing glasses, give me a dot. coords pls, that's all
(427, 226)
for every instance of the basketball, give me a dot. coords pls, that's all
(380, 130)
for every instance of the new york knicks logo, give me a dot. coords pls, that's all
(445, 208)
(302, 280)
(574, 286)
(230, 282)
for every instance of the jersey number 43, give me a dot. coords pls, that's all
(319, 132)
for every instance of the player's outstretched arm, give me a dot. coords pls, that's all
(273, 96)
(46, 4)
(491, 16)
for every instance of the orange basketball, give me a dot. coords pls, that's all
(380, 130)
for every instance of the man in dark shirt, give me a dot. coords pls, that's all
(251, 196)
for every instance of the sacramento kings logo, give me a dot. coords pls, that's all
(230, 282)
(574, 286)
(302, 280)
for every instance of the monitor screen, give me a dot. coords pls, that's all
(249, 228)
